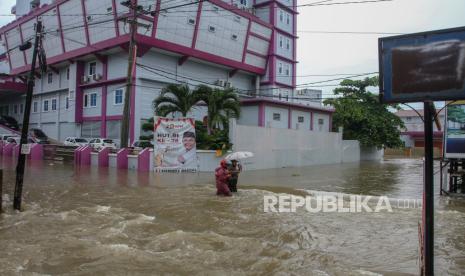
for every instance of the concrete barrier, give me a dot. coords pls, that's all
(143, 160)
(122, 159)
(103, 157)
(8, 149)
(84, 159)
(37, 152)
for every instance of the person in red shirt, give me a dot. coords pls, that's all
(222, 176)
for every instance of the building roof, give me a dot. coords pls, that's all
(285, 104)
(411, 113)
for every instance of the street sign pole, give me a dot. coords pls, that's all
(428, 221)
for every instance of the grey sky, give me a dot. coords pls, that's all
(352, 53)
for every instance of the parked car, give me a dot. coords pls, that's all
(75, 141)
(99, 143)
(142, 144)
(38, 136)
(3, 137)
(9, 122)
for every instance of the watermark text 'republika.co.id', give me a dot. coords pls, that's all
(340, 203)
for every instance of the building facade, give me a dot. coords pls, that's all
(248, 45)
(413, 135)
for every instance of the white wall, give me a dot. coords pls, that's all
(282, 122)
(276, 148)
(295, 114)
(249, 116)
(324, 127)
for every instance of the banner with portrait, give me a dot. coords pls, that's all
(454, 135)
(175, 145)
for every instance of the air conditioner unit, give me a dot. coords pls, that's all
(97, 77)
(220, 83)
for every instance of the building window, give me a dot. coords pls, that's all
(54, 104)
(243, 2)
(49, 77)
(234, 37)
(281, 16)
(280, 42)
(15, 109)
(288, 43)
(211, 29)
(280, 68)
(21, 108)
(276, 117)
(288, 19)
(67, 73)
(191, 21)
(287, 69)
(90, 100)
(321, 121)
(35, 107)
(67, 103)
(92, 68)
(300, 119)
(93, 99)
(45, 106)
(119, 96)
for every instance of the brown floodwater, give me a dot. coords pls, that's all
(106, 222)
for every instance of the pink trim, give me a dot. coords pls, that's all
(115, 17)
(289, 118)
(199, 54)
(103, 128)
(246, 43)
(8, 51)
(281, 5)
(114, 117)
(14, 87)
(197, 23)
(256, 54)
(277, 83)
(258, 101)
(155, 18)
(122, 159)
(37, 152)
(143, 160)
(79, 92)
(261, 114)
(311, 120)
(260, 36)
(103, 158)
(63, 48)
(22, 41)
(84, 15)
(104, 82)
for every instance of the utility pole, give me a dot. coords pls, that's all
(131, 65)
(27, 113)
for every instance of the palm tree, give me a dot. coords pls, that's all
(175, 98)
(221, 105)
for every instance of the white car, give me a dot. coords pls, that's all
(100, 143)
(76, 142)
(4, 137)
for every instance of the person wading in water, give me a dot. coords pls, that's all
(222, 176)
(235, 170)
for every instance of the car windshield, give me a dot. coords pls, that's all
(108, 141)
(80, 140)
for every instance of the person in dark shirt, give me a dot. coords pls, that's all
(235, 169)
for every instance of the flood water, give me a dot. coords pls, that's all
(107, 222)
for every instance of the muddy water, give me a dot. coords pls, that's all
(90, 222)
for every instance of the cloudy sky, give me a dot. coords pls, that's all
(338, 53)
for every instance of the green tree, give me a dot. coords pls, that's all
(363, 117)
(175, 98)
(221, 105)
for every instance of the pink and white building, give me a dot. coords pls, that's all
(245, 44)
